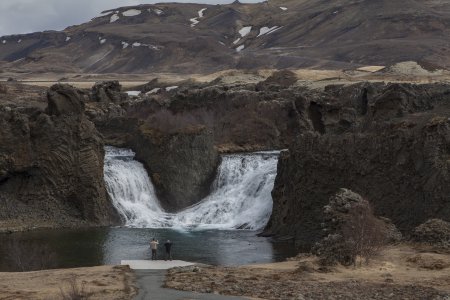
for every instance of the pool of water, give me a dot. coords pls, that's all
(100, 246)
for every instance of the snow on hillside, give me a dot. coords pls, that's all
(131, 13)
(114, 18)
(245, 31)
(195, 20)
(267, 30)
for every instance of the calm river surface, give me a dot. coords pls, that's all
(100, 246)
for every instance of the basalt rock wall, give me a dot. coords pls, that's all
(389, 143)
(51, 165)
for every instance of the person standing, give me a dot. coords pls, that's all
(154, 246)
(168, 246)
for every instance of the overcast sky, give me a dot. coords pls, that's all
(24, 16)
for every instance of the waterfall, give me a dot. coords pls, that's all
(240, 197)
(130, 189)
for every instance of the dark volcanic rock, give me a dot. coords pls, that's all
(182, 165)
(51, 165)
(345, 214)
(435, 232)
(108, 92)
(398, 161)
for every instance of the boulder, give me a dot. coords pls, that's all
(64, 100)
(349, 219)
(108, 92)
(435, 232)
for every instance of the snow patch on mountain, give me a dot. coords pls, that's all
(267, 30)
(240, 48)
(195, 21)
(245, 31)
(171, 88)
(114, 18)
(131, 13)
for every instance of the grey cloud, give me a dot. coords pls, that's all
(24, 16)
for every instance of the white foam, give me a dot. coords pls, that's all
(240, 198)
(125, 45)
(102, 41)
(19, 41)
(136, 44)
(245, 31)
(131, 13)
(240, 48)
(114, 18)
(283, 8)
(4, 42)
(68, 38)
(159, 12)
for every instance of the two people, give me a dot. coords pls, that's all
(154, 246)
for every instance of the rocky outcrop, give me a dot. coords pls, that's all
(182, 164)
(389, 143)
(108, 92)
(434, 232)
(51, 165)
(350, 228)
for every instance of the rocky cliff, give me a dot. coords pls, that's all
(51, 165)
(389, 143)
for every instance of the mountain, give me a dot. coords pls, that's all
(195, 38)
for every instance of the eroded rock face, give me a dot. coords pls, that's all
(182, 165)
(51, 165)
(389, 143)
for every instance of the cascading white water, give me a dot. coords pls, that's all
(240, 198)
(241, 195)
(130, 189)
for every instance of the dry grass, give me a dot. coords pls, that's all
(105, 282)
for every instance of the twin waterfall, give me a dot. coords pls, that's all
(240, 197)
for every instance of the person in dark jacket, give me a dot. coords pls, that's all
(168, 246)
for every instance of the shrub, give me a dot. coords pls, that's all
(363, 233)
(75, 291)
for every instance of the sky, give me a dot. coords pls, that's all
(24, 16)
